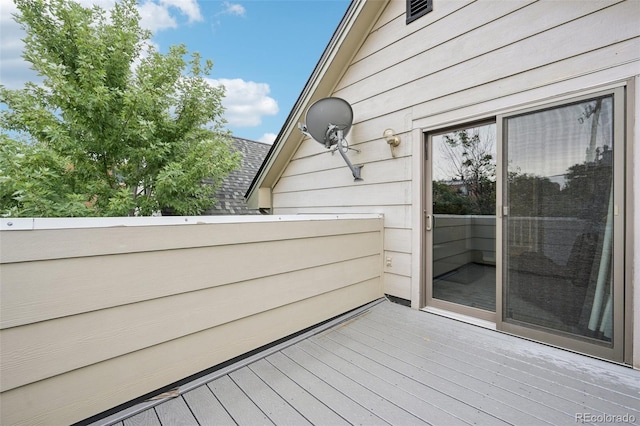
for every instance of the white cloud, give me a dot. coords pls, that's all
(14, 71)
(155, 17)
(268, 138)
(7, 7)
(246, 102)
(105, 4)
(189, 8)
(233, 9)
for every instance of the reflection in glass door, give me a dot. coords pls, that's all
(558, 224)
(461, 219)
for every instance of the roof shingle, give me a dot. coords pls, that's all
(230, 196)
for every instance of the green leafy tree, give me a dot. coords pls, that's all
(472, 163)
(448, 200)
(116, 128)
(34, 182)
(534, 196)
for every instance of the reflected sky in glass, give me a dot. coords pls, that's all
(551, 141)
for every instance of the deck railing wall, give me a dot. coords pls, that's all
(97, 312)
(462, 239)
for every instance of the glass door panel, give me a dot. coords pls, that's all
(461, 217)
(558, 221)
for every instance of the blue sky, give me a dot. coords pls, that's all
(263, 50)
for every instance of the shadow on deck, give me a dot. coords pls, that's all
(388, 364)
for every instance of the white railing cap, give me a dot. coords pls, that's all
(22, 224)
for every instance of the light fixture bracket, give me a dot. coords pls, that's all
(392, 140)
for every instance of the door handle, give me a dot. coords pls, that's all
(429, 222)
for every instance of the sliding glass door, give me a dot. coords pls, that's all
(524, 222)
(562, 192)
(461, 228)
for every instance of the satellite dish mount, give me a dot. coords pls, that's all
(328, 122)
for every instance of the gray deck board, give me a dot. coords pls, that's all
(206, 408)
(394, 365)
(175, 412)
(241, 408)
(427, 407)
(377, 404)
(272, 404)
(598, 386)
(493, 401)
(342, 404)
(562, 374)
(146, 418)
(305, 403)
(424, 365)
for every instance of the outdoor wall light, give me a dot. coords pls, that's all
(392, 140)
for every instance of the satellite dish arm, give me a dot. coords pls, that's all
(304, 130)
(331, 136)
(321, 117)
(355, 170)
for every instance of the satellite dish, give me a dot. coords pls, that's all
(328, 122)
(326, 112)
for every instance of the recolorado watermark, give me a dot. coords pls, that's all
(604, 418)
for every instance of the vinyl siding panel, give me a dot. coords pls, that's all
(474, 35)
(394, 216)
(413, 82)
(106, 333)
(398, 239)
(397, 285)
(312, 156)
(376, 172)
(433, 36)
(116, 321)
(391, 27)
(391, 193)
(481, 56)
(549, 81)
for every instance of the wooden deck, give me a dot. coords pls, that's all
(393, 365)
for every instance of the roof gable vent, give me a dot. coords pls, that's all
(418, 8)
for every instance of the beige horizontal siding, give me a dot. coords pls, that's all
(316, 157)
(394, 216)
(391, 27)
(43, 291)
(406, 43)
(392, 193)
(23, 246)
(397, 285)
(398, 240)
(376, 172)
(426, 76)
(81, 393)
(569, 76)
(48, 348)
(400, 263)
(473, 36)
(110, 326)
(319, 182)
